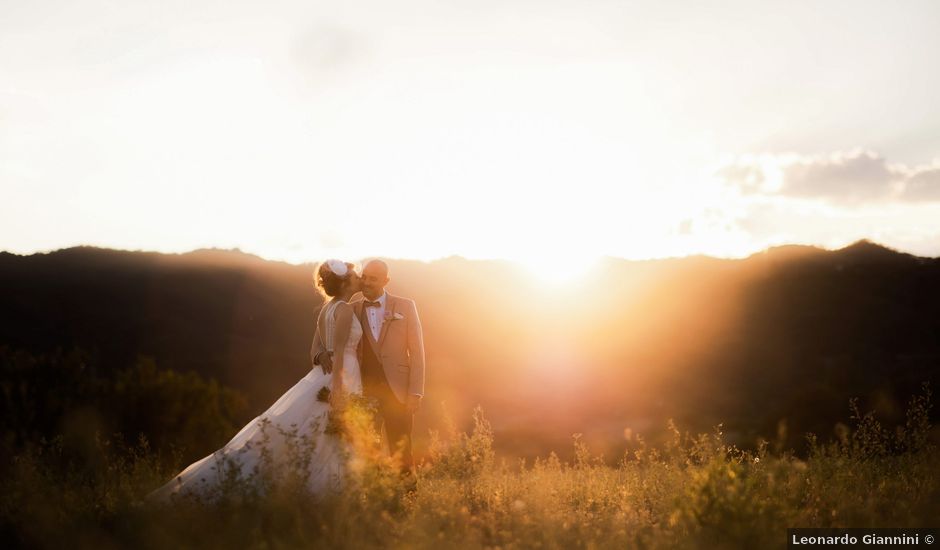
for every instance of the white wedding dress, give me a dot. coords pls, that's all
(298, 411)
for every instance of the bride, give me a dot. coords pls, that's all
(299, 431)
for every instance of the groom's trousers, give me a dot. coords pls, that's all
(393, 413)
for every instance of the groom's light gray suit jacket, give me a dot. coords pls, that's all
(400, 346)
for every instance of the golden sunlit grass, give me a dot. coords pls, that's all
(694, 492)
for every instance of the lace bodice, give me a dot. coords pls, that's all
(355, 330)
(352, 377)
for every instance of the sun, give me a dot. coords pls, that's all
(558, 270)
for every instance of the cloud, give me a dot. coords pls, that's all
(851, 177)
(923, 185)
(324, 51)
(749, 178)
(845, 178)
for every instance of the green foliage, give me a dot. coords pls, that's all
(458, 455)
(63, 394)
(354, 418)
(870, 440)
(697, 491)
(173, 408)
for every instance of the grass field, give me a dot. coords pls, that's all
(695, 492)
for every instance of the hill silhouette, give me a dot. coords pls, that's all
(781, 339)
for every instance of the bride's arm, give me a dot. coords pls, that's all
(344, 318)
(317, 346)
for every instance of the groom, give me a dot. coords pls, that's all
(391, 357)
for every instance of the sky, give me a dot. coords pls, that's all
(535, 131)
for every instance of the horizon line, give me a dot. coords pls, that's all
(601, 257)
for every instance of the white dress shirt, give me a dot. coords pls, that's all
(375, 316)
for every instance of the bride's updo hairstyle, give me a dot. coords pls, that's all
(332, 275)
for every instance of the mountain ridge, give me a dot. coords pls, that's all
(861, 247)
(788, 333)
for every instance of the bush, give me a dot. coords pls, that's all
(64, 395)
(695, 492)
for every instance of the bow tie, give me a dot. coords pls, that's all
(373, 304)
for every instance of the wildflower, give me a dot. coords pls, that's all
(357, 406)
(334, 424)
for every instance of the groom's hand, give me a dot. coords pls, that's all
(325, 360)
(414, 403)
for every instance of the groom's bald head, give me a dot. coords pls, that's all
(374, 278)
